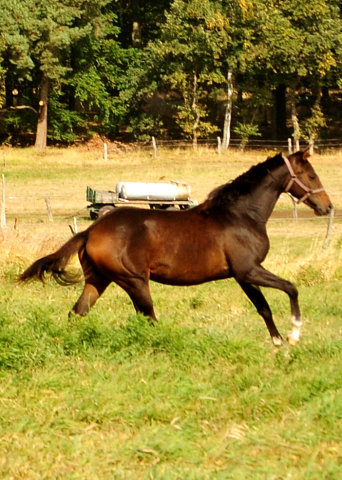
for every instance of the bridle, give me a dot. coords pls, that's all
(294, 179)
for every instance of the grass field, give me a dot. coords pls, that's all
(204, 395)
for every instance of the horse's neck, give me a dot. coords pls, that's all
(262, 200)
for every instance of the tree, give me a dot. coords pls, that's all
(181, 67)
(139, 21)
(15, 65)
(45, 33)
(54, 31)
(294, 44)
(99, 66)
(189, 56)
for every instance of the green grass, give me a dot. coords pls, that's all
(203, 395)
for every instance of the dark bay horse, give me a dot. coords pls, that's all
(225, 236)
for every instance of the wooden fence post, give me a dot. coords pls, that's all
(219, 145)
(105, 154)
(48, 206)
(289, 145)
(294, 208)
(73, 227)
(3, 204)
(311, 146)
(154, 147)
(330, 224)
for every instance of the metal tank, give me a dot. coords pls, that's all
(153, 191)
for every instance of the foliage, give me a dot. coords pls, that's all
(14, 124)
(190, 55)
(66, 126)
(246, 130)
(170, 78)
(312, 126)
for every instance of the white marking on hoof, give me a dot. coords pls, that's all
(277, 342)
(293, 337)
(292, 341)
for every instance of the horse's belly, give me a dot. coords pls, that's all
(185, 273)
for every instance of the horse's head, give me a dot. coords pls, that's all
(305, 185)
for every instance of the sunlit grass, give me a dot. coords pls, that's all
(203, 395)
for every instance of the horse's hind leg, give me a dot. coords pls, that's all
(95, 285)
(254, 293)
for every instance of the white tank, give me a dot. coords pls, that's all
(153, 191)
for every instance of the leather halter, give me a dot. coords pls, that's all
(295, 179)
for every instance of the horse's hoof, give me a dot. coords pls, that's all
(277, 341)
(292, 341)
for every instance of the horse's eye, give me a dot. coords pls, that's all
(312, 177)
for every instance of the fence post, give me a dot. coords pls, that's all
(289, 145)
(330, 223)
(105, 154)
(219, 145)
(48, 206)
(73, 227)
(294, 207)
(154, 147)
(311, 146)
(3, 204)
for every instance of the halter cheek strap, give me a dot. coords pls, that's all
(294, 179)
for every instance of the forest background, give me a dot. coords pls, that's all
(129, 70)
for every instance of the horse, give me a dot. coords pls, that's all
(223, 237)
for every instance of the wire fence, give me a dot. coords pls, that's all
(155, 146)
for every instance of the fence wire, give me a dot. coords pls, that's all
(156, 145)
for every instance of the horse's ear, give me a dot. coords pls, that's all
(307, 153)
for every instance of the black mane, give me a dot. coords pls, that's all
(243, 184)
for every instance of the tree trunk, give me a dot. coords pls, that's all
(228, 112)
(279, 129)
(315, 109)
(2, 93)
(41, 135)
(136, 26)
(194, 108)
(326, 100)
(295, 123)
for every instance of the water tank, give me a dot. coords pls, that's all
(172, 191)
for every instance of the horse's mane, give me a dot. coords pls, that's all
(242, 185)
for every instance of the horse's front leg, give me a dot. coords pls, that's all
(263, 278)
(139, 292)
(255, 295)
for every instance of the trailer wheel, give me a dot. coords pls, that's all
(104, 210)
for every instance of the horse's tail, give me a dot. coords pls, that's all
(55, 263)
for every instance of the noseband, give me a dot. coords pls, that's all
(294, 179)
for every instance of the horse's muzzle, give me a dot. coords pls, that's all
(320, 211)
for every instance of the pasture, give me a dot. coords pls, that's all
(203, 395)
